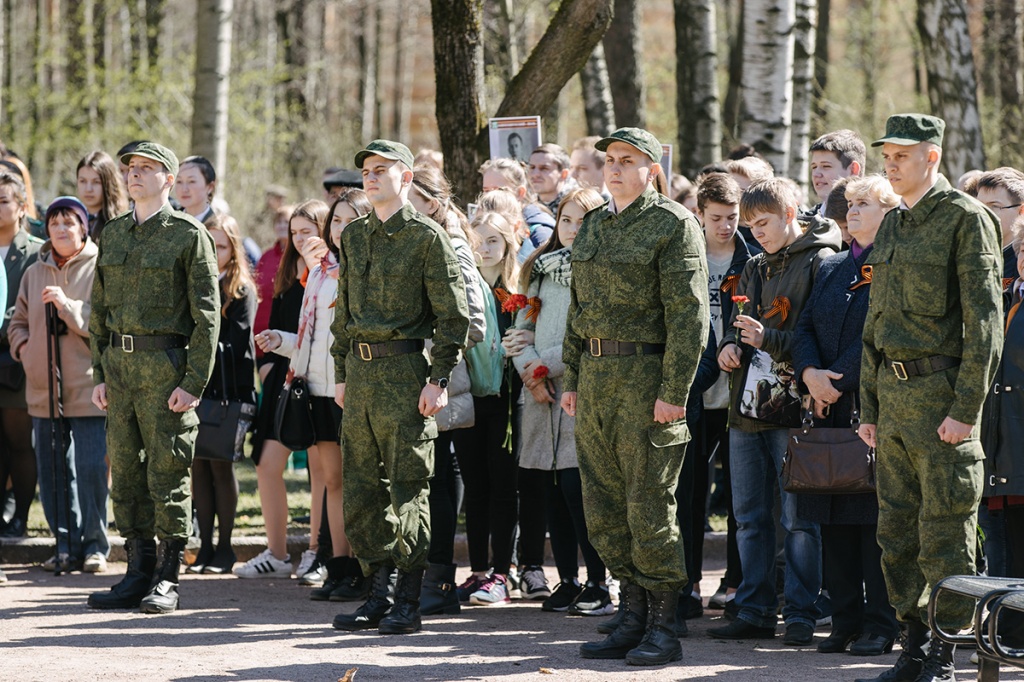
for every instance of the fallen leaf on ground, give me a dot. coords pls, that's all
(350, 675)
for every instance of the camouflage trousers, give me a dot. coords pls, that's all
(629, 467)
(150, 448)
(388, 451)
(928, 496)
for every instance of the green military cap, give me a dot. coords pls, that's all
(637, 137)
(157, 152)
(908, 129)
(396, 151)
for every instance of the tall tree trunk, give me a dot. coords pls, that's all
(952, 84)
(597, 94)
(625, 70)
(213, 70)
(767, 97)
(697, 103)
(804, 35)
(405, 38)
(367, 68)
(731, 113)
(991, 46)
(1010, 83)
(5, 68)
(821, 62)
(378, 91)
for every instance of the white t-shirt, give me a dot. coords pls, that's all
(717, 397)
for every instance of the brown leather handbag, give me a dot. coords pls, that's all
(828, 461)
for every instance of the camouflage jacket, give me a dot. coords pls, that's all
(159, 277)
(400, 279)
(641, 276)
(936, 290)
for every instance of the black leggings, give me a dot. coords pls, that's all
(214, 493)
(17, 458)
(533, 517)
(490, 473)
(569, 527)
(714, 431)
(445, 494)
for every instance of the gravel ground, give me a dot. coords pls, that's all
(232, 629)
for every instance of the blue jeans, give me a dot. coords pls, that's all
(755, 460)
(85, 447)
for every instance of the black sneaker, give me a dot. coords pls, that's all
(565, 592)
(592, 601)
(533, 584)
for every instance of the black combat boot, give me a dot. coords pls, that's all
(128, 593)
(938, 666)
(368, 616)
(908, 665)
(404, 618)
(660, 644)
(608, 627)
(337, 568)
(163, 595)
(354, 586)
(438, 594)
(630, 631)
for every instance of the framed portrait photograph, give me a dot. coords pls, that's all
(514, 137)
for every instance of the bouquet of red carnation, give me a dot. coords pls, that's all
(541, 372)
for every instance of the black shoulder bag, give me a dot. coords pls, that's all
(223, 423)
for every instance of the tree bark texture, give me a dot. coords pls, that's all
(697, 101)
(767, 87)
(597, 94)
(952, 83)
(213, 70)
(821, 62)
(622, 51)
(804, 36)
(1010, 81)
(731, 111)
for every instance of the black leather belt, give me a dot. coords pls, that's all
(601, 347)
(130, 343)
(386, 349)
(904, 369)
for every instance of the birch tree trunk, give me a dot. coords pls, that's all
(766, 104)
(952, 83)
(697, 102)
(1010, 84)
(804, 36)
(821, 61)
(731, 112)
(597, 94)
(213, 70)
(367, 69)
(622, 52)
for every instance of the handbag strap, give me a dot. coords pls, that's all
(223, 373)
(807, 423)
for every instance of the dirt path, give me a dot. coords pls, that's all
(232, 629)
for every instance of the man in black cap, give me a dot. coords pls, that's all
(932, 340)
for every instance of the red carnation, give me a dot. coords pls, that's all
(739, 301)
(514, 303)
(541, 372)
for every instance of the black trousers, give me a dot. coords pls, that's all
(568, 526)
(852, 566)
(445, 494)
(533, 516)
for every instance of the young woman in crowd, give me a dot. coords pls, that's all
(266, 272)
(101, 189)
(486, 452)
(214, 486)
(269, 454)
(432, 196)
(62, 278)
(536, 220)
(547, 452)
(195, 185)
(826, 357)
(19, 250)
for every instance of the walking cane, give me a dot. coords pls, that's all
(57, 436)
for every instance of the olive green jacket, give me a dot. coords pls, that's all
(936, 290)
(400, 279)
(157, 278)
(641, 276)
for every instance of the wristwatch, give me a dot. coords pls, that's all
(441, 383)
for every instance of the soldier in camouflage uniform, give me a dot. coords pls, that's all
(155, 320)
(399, 283)
(932, 341)
(637, 324)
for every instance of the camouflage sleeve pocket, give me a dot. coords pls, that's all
(688, 263)
(666, 435)
(925, 285)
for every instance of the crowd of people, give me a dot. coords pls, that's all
(566, 362)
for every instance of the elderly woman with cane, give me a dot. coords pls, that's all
(49, 335)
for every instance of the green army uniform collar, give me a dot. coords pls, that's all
(919, 212)
(395, 222)
(162, 213)
(626, 215)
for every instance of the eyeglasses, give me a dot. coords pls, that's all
(997, 207)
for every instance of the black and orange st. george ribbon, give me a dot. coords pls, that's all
(780, 306)
(533, 303)
(865, 277)
(1007, 281)
(730, 283)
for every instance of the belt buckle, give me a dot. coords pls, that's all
(127, 343)
(365, 353)
(900, 370)
(595, 347)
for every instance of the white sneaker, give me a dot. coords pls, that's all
(306, 562)
(264, 565)
(50, 565)
(95, 563)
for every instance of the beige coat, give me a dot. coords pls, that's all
(27, 332)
